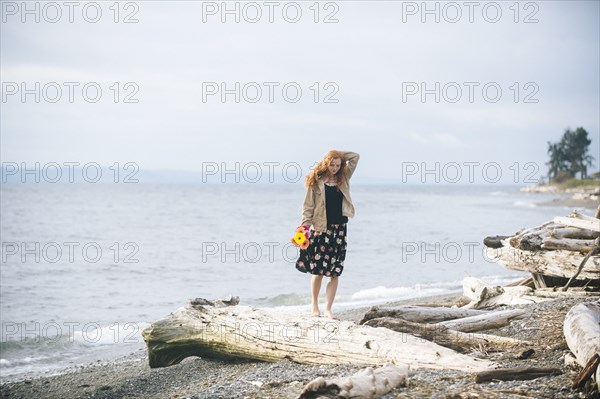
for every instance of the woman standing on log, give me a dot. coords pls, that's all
(326, 208)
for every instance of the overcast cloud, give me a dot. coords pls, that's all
(374, 53)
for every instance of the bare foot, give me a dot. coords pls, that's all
(316, 312)
(330, 315)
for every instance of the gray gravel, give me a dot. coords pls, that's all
(130, 377)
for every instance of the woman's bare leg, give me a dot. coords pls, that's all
(315, 285)
(330, 291)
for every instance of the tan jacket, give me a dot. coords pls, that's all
(313, 210)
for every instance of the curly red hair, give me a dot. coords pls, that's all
(321, 169)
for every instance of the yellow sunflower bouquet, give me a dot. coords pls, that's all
(301, 238)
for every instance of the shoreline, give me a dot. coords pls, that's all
(354, 313)
(131, 377)
(570, 203)
(116, 353)
(584, 197)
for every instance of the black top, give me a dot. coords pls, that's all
(333, 205)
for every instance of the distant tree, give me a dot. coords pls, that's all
(557, 162)
(570, 155)
(577, 148)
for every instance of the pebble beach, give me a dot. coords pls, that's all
(131, 377)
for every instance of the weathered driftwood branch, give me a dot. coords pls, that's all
(587, 372)
(574, 292)
(538, 280)
(368, 384)
(495, 241)
(519, 373)
(245, 332)
(531, 239)
(578, 226)
(574, 232)
(568, 244)
(484, 296)
(526, 282)
(419, 314)
(485, 321)
(580, 221)
(594, 251)
(219, 303)
(582, 333)
(444, 336)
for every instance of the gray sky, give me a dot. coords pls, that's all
(371, 57)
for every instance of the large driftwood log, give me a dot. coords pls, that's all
(444, 336)
(518, 373)
(553, 249)
(557, 263)
(420, 314)
(582, 333)
(246, 332)
(366, 384)
(483, 322)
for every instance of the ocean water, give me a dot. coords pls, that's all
(85, 268)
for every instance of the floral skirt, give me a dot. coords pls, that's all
(326, 253)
